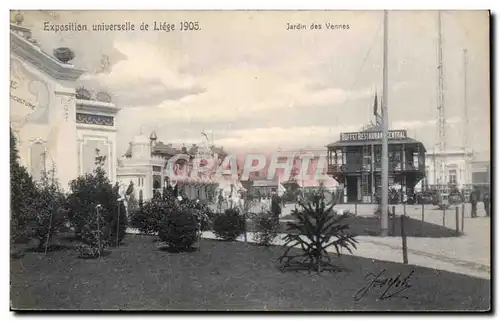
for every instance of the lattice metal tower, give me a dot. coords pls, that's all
(441, 121)
(465, 130)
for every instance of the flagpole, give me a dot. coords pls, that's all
(384, 220)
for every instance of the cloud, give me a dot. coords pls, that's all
(150, 92)
(415, 124)
(147, 84)
(311, 136)
(258, 83)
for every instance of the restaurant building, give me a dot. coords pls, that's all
(355, 162)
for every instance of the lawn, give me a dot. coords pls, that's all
(370, 225)
(141, 275)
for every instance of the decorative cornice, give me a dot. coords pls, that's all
(94, 106)
(91, 119)
(48, 64)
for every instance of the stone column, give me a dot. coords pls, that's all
(62, 137)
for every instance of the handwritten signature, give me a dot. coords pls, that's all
(391, 286)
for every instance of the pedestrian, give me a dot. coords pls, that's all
(486, 201)
(473, 202)
(276, 205)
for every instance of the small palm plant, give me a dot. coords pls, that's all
(317, 227)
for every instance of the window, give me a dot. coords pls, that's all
(367, 157)
(452, 176)
(365, 185)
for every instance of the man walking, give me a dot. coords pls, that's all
(276, 205)
(486, 201)
(473, 202)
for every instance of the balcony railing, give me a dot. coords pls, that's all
(393, 167)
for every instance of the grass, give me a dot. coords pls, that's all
(140, 275)
(370, 225)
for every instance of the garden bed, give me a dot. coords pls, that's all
(370, 225)
(224, 276)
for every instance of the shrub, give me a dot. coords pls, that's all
(179, 229)
(93, 237)
(140, 220)
(266, 228)
(22, 190)
(229, 225)
(116, 222)
(91, 190)
(47, 213)
(202, 212)
(148, 217)
(317, 228)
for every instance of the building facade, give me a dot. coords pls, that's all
(54, 126)
(481, 172)
(458, 169)
(146, 167)
(355, 161)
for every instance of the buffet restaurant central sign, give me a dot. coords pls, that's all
(361, 136)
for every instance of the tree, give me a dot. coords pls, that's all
(22, 190)
(46, 209)
(89, 191)
(150, 214)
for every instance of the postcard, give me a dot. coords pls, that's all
(250, 160)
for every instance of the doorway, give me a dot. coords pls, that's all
(352, 189)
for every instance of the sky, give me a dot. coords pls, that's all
(257, 86)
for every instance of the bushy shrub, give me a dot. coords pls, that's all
(93, 236)
(317, 228)
(22, 190)
(202, 212)
(229, 225)
(147, 219)
(179, 229)
(266, 228)
(141, 220)
(89, 191)
(115, 225)
(47, 214)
